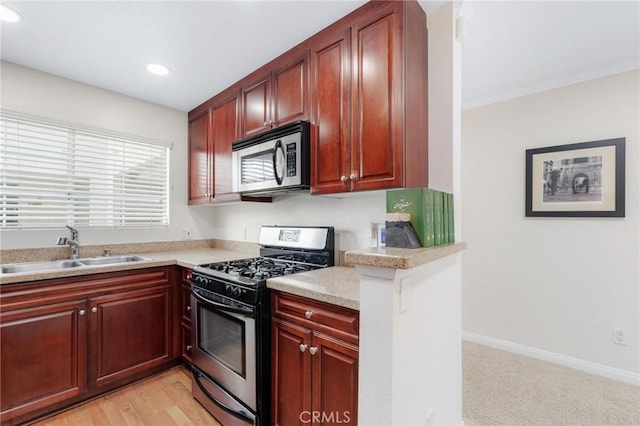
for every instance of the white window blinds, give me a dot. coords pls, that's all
(56, 174)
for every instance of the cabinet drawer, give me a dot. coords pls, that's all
(333, 320)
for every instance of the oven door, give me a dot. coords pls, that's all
(224, 347)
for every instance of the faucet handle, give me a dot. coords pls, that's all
(74, 232)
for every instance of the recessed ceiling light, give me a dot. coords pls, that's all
(157, 69)
(8, 15)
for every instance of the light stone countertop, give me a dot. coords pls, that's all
(337, 285)
(400, 258)
(186, 258)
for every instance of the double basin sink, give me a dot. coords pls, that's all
(55, 265)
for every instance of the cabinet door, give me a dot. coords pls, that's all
(226, 130)
(43, 356)
(290, 372)
(330, 140)
(335, 380)
(200, 176)
(255, 107)
(377, 150)
(291, 92)
(129, 333)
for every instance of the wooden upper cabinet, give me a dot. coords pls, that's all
(377, 149)
(226, 130)
(361, 82)
(255, 107)
(330, 93)
(278, 97)
(385, 105)
(200, 151)
(291, 91)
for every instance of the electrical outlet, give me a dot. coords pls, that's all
(619, 337)
(186, 234)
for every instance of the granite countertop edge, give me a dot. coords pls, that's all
(185, 258)
(399, 258)
(335, 285)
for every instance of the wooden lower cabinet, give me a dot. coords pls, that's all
(129, 333)
(43, 356)
(314, 370)
(66, 340)
(185, 315)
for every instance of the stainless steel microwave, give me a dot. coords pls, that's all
(276, 161)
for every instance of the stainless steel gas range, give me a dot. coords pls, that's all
(231, 319)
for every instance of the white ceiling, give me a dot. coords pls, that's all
(511, 47)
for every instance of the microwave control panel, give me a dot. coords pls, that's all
(291, 159)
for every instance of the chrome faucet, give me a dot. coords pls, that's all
(74, 245)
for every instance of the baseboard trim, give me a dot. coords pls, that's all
(567, 361)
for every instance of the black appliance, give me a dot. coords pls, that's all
(231, 316)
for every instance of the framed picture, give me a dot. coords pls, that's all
(577, 180)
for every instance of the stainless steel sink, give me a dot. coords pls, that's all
(39, 266)
(109, 260)
(54, 265)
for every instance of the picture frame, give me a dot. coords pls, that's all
(585, 179)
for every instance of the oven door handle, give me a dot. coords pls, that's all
(238, 310)
(239, 414)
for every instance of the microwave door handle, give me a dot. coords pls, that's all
(280, 148)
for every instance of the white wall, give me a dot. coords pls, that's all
(36, 93)
(553, 284)
(351, 216)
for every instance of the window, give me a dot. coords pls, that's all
(53, 174)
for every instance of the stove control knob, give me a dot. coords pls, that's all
(237, 291)
(308, 314)
(228, 289)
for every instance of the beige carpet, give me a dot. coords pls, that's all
(501, 388)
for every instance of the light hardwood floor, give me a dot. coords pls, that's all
(160, 400)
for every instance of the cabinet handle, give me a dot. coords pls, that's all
(188, 308)
(303, 347)
(308, 314)
(313, 350)
(81, 312)
(189, 347)
(94, 309)
(352, 176)
(343, 178)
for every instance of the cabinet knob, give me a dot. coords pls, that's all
(313, 350)
(352, 176)
(81, 312)
(303, 347)
(189, 277)
(188, 308)
(94, 309)
(189, 347)
(308, 314)
(343, 178)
